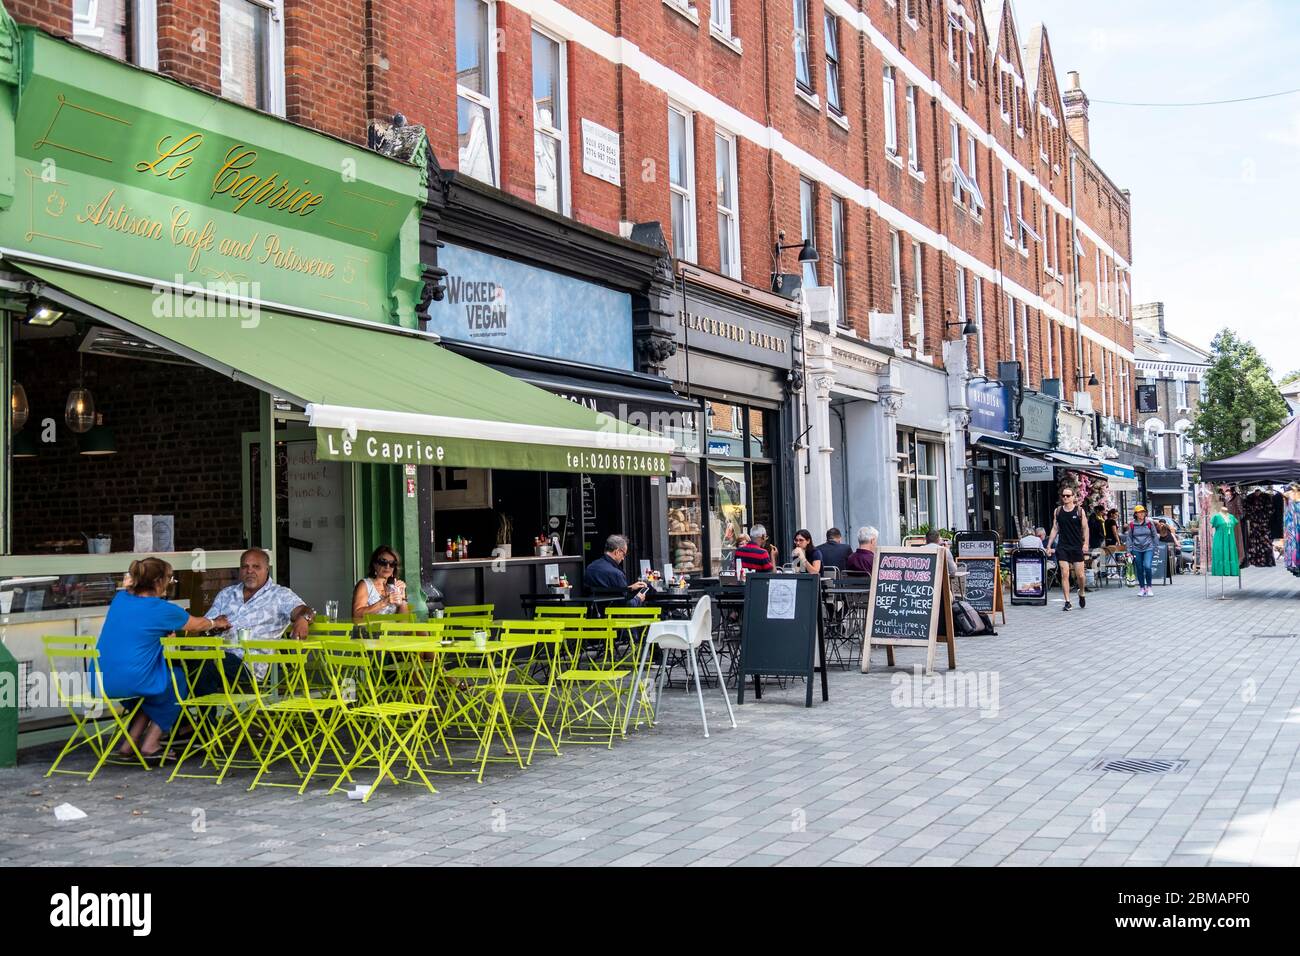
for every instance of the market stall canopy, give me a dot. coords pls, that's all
(1275, 460)
(375, 393)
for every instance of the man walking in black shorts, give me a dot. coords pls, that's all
(1069, 541)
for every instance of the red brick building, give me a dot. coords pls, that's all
(926, 148)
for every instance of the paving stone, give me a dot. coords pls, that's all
(853, 781)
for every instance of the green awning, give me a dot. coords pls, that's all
(374, 393)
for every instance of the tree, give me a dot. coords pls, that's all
(1289, 377)
(1239, 404)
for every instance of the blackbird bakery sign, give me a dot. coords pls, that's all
(733, 332)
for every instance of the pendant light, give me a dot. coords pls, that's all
(18, 405)
(99, 440)
(80, 410)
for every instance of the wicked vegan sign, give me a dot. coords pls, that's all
(511, 305)
(103, 182)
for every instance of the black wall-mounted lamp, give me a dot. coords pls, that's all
(1092, 379)
(807, 251)
(967, 327)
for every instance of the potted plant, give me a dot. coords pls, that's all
(505, 536)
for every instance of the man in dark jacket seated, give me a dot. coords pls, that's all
(605, 574)
(835, 553)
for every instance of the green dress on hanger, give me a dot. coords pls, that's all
(1224, 560)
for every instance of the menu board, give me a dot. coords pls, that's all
(1160, 564)
(1029, 577)
(975, 544)
(903, 589)
(909, 596)
(981, 582)
(781, 631)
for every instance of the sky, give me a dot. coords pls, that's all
(1216, 208)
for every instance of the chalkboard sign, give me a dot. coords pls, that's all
(975, 544)
(781, 631)
(981, 582)
(1029, 577)
(909, 591)
(1160, 564)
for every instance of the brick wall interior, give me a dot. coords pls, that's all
(178, 432)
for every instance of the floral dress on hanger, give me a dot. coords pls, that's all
(1225, 561)
(1292, 536)
(1259, 543)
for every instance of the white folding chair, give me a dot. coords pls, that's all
(688, 636)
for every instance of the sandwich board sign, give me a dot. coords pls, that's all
(984, 585)
(1029, 576)
(781, 632)
(910, 595)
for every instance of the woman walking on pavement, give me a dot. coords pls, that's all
(1143, 538)
(1069, 542)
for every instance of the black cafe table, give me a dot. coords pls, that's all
(845, 607)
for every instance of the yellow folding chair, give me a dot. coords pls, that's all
(291, 716)
(87, 705)
(376, 725)
(222, 720)
(591, 694)
(560, 610)
(469, 610)
(534, 680)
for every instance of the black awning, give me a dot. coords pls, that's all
(1009, 446)
(633, 395)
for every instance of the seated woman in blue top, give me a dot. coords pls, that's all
(130, 651)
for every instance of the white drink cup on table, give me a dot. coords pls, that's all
(480, 640)
(332, 611)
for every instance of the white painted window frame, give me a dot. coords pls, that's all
(979, 320)
(972, 174)
(275, 92)
(492, 101)
(1011, 322)
(690, 238)
(731, 268)
(957, 173)
(913, 146)
(804, 7)
(918, 296)
(839, 270)
(896, 273)
(561, 111)
(720, 24)
(834, 84)
(889, 97)
(808, 223)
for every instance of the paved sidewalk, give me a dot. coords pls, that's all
(891, 771)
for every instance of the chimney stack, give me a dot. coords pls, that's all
(1150, 318)
(1076, 111)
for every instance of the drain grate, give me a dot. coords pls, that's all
(1138, 765)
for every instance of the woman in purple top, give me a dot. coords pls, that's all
(864, 558)
(131, 656)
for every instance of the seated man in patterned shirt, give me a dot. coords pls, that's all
(258, 604)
